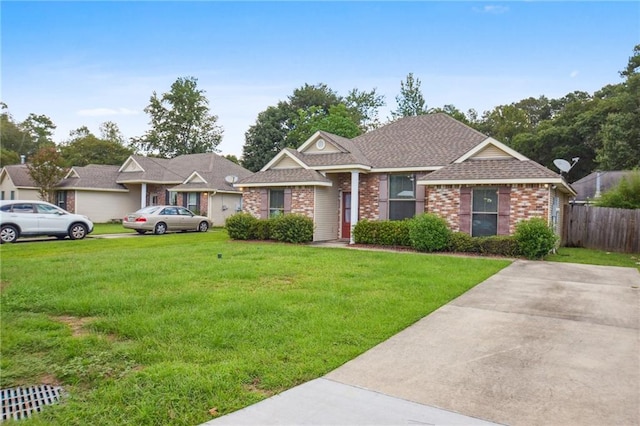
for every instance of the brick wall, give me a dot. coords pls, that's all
(369, 191)
(527, 201)
(302, 200)
(71, 201)
(251, 201)
(444, 200)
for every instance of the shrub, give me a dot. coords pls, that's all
(463, 243)
(625, 195)
(292, 228)
(500, 245)
(535, 238)
(261, 229)
(429, 232)
(240, 226)
(384, 233)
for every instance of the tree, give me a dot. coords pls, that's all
(180, 122)
(339, 121)
(85, 148)
(266, 137)
(47, 170)
(278, 126)
(410, 100)
(15, 140)
(232, 158)
(365, 105)
(109, 131)
(40, 128)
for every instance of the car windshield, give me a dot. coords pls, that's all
(148, 210)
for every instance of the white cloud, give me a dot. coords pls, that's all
(101, 112)
(493, 9)
(574, 73)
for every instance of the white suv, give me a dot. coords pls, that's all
(24, 218)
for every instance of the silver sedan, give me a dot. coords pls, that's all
(162, 219)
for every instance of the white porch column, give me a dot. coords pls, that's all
(143, 195)
(355, 181)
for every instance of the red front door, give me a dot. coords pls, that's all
(346, 215)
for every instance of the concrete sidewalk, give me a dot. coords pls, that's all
(538, 343)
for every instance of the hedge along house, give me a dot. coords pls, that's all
(428, 163)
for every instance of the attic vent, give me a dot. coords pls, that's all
(320, 144)
(20, 403)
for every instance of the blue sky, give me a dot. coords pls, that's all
(83, 63)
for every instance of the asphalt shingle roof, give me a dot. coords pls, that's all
(422, 141)
(94, 176)
(19, 174)
(284, 176)
(485, 169)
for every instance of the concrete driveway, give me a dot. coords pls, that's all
(539, 343)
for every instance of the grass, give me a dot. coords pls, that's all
(110, 228)
(595, 257)
(159, 330)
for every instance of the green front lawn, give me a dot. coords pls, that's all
(159, 330)
(595, 257)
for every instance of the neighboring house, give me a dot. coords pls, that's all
(16, 183)
(200, 182)
(429, 163)
(94, 192)
(591, 186)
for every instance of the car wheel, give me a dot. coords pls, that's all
(140, 231)
(8, 234)
(77, 231)
(160, 228)
(203, 227)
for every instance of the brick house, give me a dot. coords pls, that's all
(429, 163)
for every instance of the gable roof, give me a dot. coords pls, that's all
(431, 140)
(212, 168)
(19, 175)
(93, 177)
(285, 177)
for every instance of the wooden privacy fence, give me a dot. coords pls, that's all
(602, 228)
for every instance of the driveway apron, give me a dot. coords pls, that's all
(539, 343)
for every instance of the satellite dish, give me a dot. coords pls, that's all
(231, 179)
(562, 165)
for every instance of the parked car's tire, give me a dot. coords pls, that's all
(8, 234)
(77, 231)
(160, 228)
(141, 231)
(203, 227)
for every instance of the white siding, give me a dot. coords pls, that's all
(103, 206)
(286, 163)
(492, 151)
(326, 208)
(221, 206)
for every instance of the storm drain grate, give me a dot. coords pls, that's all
(20, 403)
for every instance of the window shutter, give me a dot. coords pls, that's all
(420, 190)
(264, 203)
(464, 216)
(383, 198)
(287, 200)
(185, 200)
(504, 209)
